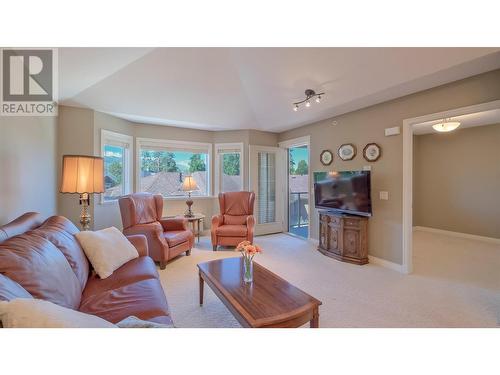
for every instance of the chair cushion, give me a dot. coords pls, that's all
(61, 232)
(176, 237)
(236, 203)
(235, 219)
(9, 289)
(144, 299)
(41, 268)
(137, 269)
(231, 230)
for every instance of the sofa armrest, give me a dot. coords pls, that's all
(175, 223)
(140, 243)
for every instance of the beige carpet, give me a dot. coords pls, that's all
(436, 295)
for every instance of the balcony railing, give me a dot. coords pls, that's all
(298, 213)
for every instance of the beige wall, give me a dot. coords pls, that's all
(107, 214)
(27, 166)
(74, 137)
(457, 181)
(80, 133)
(367, 125)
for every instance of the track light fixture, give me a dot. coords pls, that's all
(310, 94)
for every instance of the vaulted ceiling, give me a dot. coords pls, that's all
(253, 88)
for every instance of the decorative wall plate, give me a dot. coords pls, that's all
(372, 152)
(347, 151)
(326, 157)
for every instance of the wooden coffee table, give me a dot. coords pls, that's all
(268, 302)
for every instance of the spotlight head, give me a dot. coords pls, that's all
(296, 107)
(318, 99)
(308, 104)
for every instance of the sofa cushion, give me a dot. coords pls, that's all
(144, 299)
(61, 232)
(40, 268)
(176, 237)
(22, 224)
(9, 289)
(232, 230)
(137, 269)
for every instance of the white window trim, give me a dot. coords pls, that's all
(166, 143)
(218, 165)
(108, 137)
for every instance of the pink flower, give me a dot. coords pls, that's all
(247, 249)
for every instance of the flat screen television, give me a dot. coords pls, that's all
(344, 192)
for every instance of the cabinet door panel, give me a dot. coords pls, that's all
(323, 232)
(335, 238)
(351, 243)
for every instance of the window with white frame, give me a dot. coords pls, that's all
(228, 167)
(116, 151)
(163, 165)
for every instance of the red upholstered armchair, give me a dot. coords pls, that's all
(235, 223)
(167, 238)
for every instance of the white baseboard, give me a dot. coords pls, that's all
(458, 234)
(314, 241)
(385, 263)
(372, 259)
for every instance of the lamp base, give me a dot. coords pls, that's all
(189, 212)
(85, 217)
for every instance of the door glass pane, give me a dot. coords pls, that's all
(298, 195)
(266, 187)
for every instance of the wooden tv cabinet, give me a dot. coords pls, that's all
(343, 237)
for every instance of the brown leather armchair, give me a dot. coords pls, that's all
(167, 238)
(236, 222)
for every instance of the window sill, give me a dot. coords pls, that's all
(115, 201)
(107, 203)
(186, 197)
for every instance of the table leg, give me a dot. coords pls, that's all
(201, 289)
(314, 323)
(199, 230)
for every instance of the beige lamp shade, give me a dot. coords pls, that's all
(82, 174)
(189, 184)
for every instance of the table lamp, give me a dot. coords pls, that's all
(83, 175)
(189, 185)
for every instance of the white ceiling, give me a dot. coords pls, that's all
(253, 88)
(466, 121)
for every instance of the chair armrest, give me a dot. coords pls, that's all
(217, 221)
(250, 221)
(177, 223)
(152, 231)
(250, 227)
(140, 242)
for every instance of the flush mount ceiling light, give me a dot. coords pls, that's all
(310, 94)
(446, 126)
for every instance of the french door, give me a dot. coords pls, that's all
(267, 180)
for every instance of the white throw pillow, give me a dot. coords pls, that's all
(107, 250)
(37, 313)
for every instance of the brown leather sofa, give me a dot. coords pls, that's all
(167, 238)
(236, 222)
(43, 259)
